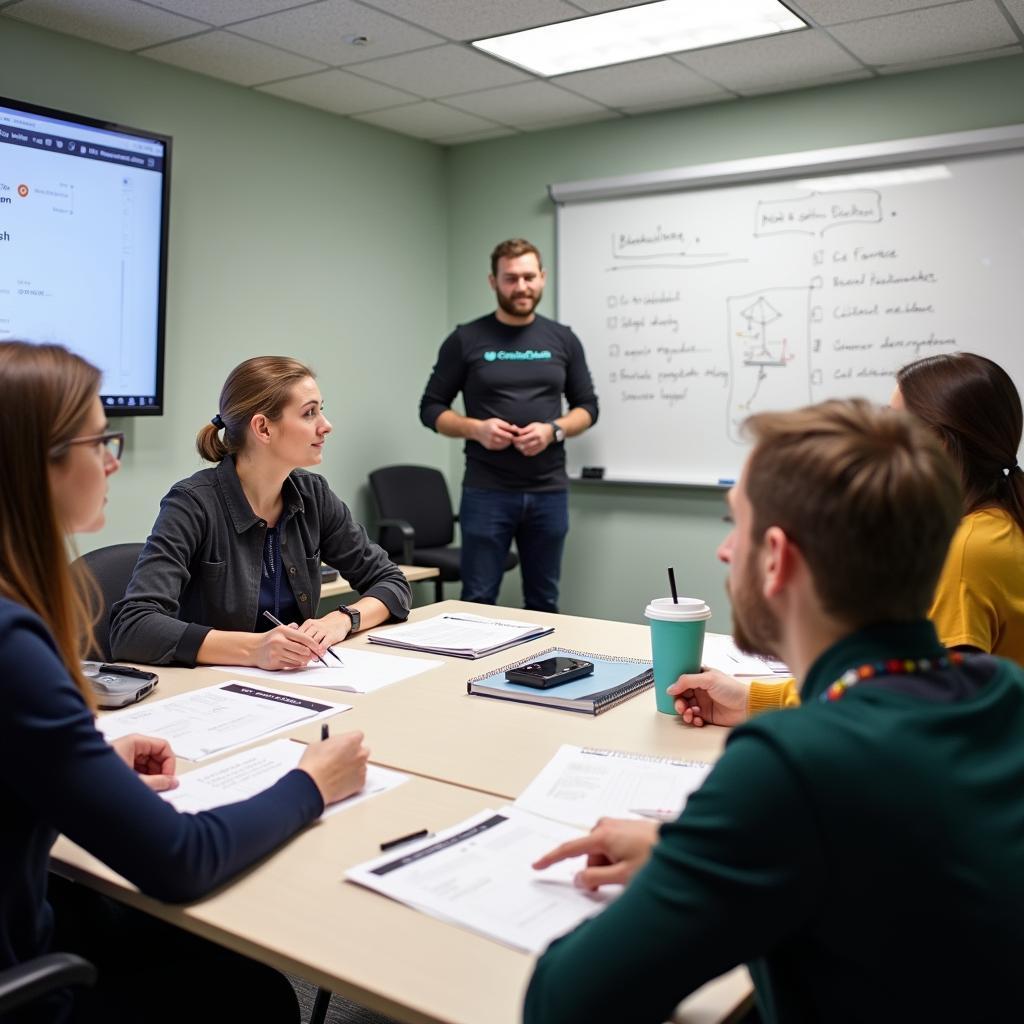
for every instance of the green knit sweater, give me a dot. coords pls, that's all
(864, 857)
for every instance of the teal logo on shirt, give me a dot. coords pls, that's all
(529, 354)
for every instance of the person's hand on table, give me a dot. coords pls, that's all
(711, 697)
(285, 647)
(495, 434)
(151, 758)
(337, 765)
(328, 631)
(534, 438)
(615, 850)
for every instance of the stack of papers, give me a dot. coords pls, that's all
(581, 784)
(460, 635)
(721, 652)
(355, 672)
(250, 772)
(478, 874)
(216, 719)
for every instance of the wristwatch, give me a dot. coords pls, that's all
(559, 432)
(353, 614)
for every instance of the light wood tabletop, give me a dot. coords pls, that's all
(463, 754)
(413, 573)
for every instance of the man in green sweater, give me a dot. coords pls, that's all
(863, 853)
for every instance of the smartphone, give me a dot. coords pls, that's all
(117, 686)
(550, 672)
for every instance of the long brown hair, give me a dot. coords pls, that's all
(974, 407)
(262, 384)
(46, 394)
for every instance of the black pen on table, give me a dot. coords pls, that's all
(325, 731)
(419, 834)
(278, 622)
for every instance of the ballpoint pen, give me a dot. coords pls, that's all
(655, 813)
(278, 622)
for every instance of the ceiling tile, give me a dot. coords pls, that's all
(477, 19)
(774, 61)
(339, 92)
(658, 108)
(427, 120)
(641, 83)
(526, 105)
(318, 31)
(223, 12)
(601, 6)
(458, 140)
(120, 23)
(945, 62)
(833, 12)
(224, 55)
(810, 82)
(1016, 9)
(441, 71)
(923, 35)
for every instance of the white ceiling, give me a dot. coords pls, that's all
(417, 74)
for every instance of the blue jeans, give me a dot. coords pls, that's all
(489, 520)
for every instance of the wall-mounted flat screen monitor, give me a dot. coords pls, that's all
(83, 245)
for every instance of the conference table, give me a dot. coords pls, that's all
(463, 754)
(413, 573)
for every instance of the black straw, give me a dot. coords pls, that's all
(672, 584)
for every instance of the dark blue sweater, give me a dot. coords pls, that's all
(59, 775)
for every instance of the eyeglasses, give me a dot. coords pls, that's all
(113, 443)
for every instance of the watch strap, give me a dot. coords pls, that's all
(353, 614)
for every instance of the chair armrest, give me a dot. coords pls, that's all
(408, 536)
(34, 978)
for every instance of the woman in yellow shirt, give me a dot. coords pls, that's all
(974, 407)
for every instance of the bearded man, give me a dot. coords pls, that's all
(862, 853)
(513, 367)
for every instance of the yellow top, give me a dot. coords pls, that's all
(979, 600)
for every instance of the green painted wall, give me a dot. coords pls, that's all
(292, 231)
(622, 538)
(356, 249)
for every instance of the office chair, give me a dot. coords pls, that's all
(112, 567)
(25, 982)
(417, 524)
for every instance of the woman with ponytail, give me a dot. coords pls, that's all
(247, 537)
(58, 773)
(973, 406)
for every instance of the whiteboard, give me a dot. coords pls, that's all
(705, 302)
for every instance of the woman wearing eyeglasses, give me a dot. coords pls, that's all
(59, 775)
(240, 545)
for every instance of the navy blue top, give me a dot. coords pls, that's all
(276, 595)
(59, 775)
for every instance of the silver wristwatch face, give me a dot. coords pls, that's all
(559, 432)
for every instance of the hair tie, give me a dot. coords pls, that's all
(1010, 470)
(217, 422)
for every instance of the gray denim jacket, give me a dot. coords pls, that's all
(200, 568)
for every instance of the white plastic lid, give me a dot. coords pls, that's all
(689, 609)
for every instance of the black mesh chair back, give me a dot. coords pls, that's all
(112, 568)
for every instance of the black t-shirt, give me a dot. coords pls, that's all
(517, 374)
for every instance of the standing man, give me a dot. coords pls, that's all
(512, 366)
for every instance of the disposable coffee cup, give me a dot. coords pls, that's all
(677, 641)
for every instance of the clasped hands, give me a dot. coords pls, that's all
(497, 434)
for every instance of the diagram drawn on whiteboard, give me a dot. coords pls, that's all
(769, 353)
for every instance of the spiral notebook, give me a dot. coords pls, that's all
(613, 681)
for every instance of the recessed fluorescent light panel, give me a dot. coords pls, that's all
(637, 32)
